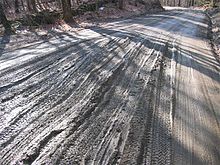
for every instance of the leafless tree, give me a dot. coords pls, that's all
(3, 19)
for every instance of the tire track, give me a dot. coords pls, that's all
(137, 95)
(90, 73)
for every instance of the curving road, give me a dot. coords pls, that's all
(144, 90)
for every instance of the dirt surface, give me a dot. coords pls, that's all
(144, 90)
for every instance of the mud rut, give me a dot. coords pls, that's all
(146, 92)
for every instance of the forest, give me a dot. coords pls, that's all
(188, 3)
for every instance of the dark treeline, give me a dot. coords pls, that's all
(34, 6)
(45, 10)
(4, 20)
(188, 3)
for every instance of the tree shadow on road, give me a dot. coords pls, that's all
(4, 41)
(200, 32)
(63, 89)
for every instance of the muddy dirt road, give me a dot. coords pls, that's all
(144, 90)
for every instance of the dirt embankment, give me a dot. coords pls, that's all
(111, 11)
(214, 15)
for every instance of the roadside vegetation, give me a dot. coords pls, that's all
(214, 16)
(188, 3)
(38, 12)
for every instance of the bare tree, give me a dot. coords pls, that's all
(4, 20)
(67, 13)
(28, 5)
(121, 4)
(97, 5)
(188, 3)
(213, 2)
(34, 7)
(179, 2)
(16, 6)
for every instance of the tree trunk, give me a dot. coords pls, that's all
(97, 5)
(121, 4)
(16, 6)
(67, 13)
(193, 2)
(28, 5)
(59, 5)
(213, 3)
(136, 2)
(4, 20)
(22, 4)
(179, 3)
(34, 7)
